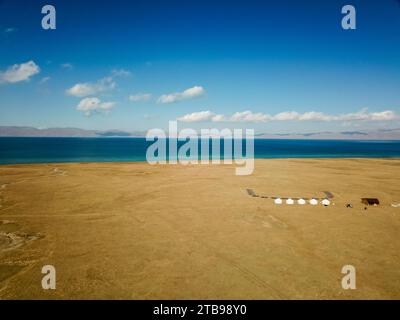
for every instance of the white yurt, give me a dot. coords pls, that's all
(301, 201)
(289, 201)
(313, 202)
(278, 201)
(325, 202)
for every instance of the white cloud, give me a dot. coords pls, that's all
(88, 88)
(10, 30)
(90, 105)
(314, 116)
(120, 73)
(218, 118)
(140, 97)
(19, 72)
(67, 65)
(384, 115)
(284, 116)
(84, 89)
(190, 93)
(365, 115)
(197, 117)
(249, 116)
(44, 80)
(245, 116)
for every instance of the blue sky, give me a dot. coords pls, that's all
(275, 66)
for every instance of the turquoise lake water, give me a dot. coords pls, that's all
(47, 150)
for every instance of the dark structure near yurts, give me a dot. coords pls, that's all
(370, 201)
(250, 192)
(328, 194)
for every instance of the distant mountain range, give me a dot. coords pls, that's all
(14, 131)
(382, 134)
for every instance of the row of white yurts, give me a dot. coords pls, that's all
(313, 201)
